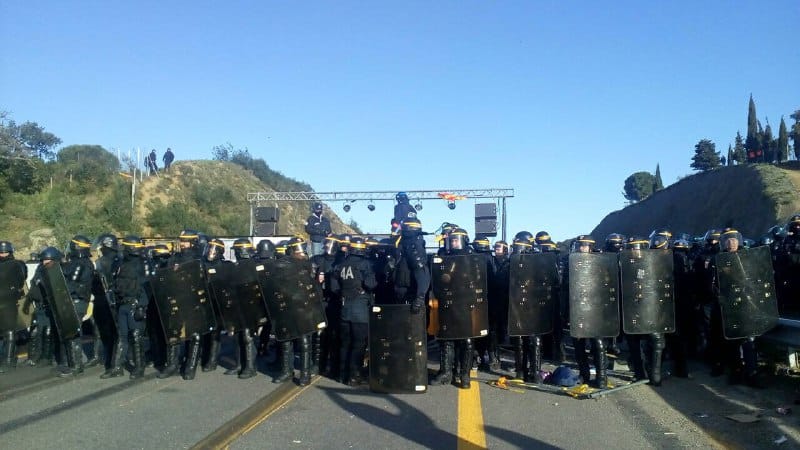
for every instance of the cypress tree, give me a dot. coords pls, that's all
(796, 133)
(782, 151)
(730, 155)
(751, 142)
(657, 183)
(768, 144)
(739, 150)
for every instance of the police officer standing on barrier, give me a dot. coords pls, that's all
(14, 273)
(403, 210)
(353, 280)
(42, 342)
(317, 227)
(132, 300)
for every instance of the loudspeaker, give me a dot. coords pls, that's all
(265, 229)
(486, 210)
(486, 227)
(266, 214)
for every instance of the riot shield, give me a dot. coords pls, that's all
(459, 284)
(398, 350)
(533, 293)
(293, 298)
(223, 290)
(66, 320)
(103, 314)
(251, 299)
(593, 295)
(11, 299)
(648, 291)
(746, 292)
(182, 301)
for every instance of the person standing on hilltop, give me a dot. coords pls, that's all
(168, 158)
(152, 166)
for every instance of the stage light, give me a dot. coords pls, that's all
(418, 206)
(346, 208)
(371, 207)
(451, 205)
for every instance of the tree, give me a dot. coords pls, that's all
(87, 166)
(751, 143)
(782, 144)
(796, 133)
(705, 156)
(739, 151)
(21, 151)
(657, 183)
(639, 186)
(768, 144)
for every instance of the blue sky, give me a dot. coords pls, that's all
(559, 100)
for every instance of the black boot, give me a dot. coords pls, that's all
(136, 346)
(601, 379)
(74, 354)
(48, 348)
(494, 353)
(305, 361)
(286, 361)
(192, 358)
(655, 359)
(446, 356)
(466, 363)
(519, 358)
(316, 353)
(9, 360)
(97, 347)
(249, 348)
(34, 346)
(213, 352)
(535, 352)
(173, 357)
(116, 362)
(237, 354)
(582, 359)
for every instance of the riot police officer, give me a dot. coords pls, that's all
(411, 244)
(317, 227)
(482, 246)
(353, 280)
(457, 243)
(189, 249)
(403, 210)
(326, 344)
(498, 280)
(246, 350)
(42, 342)
(15, 274)
(296, 251)
(524, 346)
(703, 278)
(129, 290)
(678, 342)
(210, 342)
(552, 343)
(79, 273)
(265, 250)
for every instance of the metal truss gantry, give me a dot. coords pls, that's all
(259, 198)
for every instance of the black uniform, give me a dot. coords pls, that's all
(79, 274)
(326, 352)
(16, 272)
(353, 280)
(42, 343)
(132, 300)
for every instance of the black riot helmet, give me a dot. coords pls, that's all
(330, 245)
(457, 240)
(190, 236)
(523, 236)
(132, 245)
(280, 248)
(614, 243)
(681, 245)
(545, 247)
(584, 241)
(501, 247)
(243, 249)
(265, 249)
(6, 247)
(107, 242)
(482, 245)
(80, 247)
(543, 237)
(793, 228)
(215, 250)
(659, 242)
(730, 240)
(712, 237)
(317, 208)
(777, 232)
(661, 232)
(50, 254)
(637, 243)
(766, 240)
(161, 251)
(296, 247)
(401, 197)
(521, 245)
(357, 246)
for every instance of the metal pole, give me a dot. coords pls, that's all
(503, 207)
(252, 231)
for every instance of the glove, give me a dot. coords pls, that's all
(139, 313)
(89, 311)
(417, 306)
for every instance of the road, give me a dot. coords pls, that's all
(39, 410)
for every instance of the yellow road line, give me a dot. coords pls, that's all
(471, 435)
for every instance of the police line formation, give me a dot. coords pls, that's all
(359, 297)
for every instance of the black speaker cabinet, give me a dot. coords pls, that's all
(265, 229)
(267, 214)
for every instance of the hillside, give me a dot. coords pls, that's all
(751, 198)
(210, 196)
